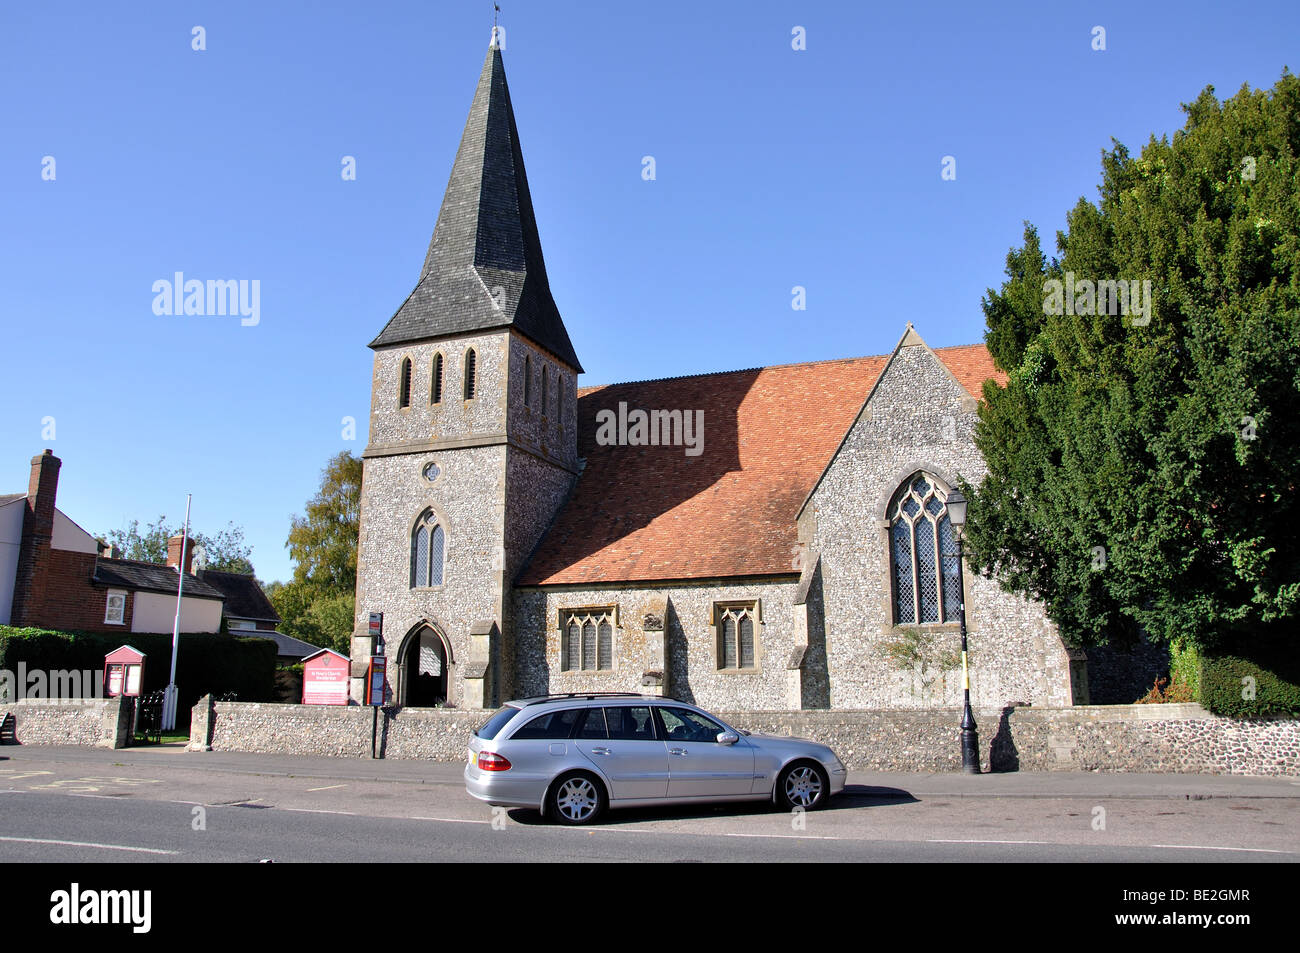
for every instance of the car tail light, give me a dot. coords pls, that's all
(488, 761)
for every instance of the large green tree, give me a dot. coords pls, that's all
(1142, 466)
(317, 604)
(226, 550)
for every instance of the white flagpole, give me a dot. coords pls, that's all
(169, 696)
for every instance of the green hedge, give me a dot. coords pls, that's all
(1225, 689)
(1225, 681)
(208, 662)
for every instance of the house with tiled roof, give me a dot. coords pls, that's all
(757, 539)
(55, 575)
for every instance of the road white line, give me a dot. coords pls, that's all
(307, 810)
(449, 820)
(75, 843)
(937, 840)
(105, 797)
(1247, 850)
(328, 787)
(789, 836)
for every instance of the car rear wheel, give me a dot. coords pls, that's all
(576, 798)
(804, 785)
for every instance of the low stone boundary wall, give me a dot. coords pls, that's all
(341, 731)
(94, 722)
(1139, 738)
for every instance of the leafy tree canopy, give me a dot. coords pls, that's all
(226, 550)
(1142, 466)
(323, 544)
(317, 605)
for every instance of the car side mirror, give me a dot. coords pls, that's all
(727, 738)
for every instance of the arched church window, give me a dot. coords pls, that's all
(734, 635)
(545, 390)
(435, 389)
(925, 569)
(404, 385)
(470, 361)
(428, 548)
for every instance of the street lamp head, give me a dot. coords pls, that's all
(957, 508)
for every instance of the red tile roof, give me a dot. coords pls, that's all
(644, 513)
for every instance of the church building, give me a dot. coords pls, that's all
(766, 539)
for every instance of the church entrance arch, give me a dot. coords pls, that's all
(425, 660)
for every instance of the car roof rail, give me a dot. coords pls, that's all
(587, 695)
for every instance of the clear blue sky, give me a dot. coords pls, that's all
(775, 168)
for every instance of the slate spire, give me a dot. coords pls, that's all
(484, 267)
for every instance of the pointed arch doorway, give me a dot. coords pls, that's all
(425, 660)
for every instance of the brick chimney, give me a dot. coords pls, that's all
(174, 552)
(41, 490)
(38, 533)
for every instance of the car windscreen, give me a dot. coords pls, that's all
(488, 730)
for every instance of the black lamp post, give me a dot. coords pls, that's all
(970, 739)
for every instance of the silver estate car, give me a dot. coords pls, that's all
(574, 756)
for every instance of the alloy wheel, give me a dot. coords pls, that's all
(577, 799)
(803, 786)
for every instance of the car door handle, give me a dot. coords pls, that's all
(600, 751)
(681, 751)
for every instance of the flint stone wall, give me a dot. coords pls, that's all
(1143, 738)
(693, 674)
(336, 731)
(93, 722)
(1183, 739)
(919, 419)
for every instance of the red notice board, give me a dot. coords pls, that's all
(325, 679)
(123, 671)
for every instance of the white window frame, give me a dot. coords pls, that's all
(108, 608)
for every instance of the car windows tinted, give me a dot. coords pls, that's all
(593, 729)
(630, 724)
(488, 730)
(682, 724)
(552, 725)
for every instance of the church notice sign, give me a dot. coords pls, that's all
(325, 679)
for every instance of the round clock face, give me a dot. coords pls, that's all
(431, 472)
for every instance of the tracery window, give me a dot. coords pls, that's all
(428, 548)
(734, 626)
(924, 567)
(587, 640)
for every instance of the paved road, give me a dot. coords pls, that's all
(81, 805)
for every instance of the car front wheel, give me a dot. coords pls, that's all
(576, 799)
(804, 785)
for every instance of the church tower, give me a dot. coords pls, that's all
(473, 430)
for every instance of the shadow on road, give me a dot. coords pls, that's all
(854, 796)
